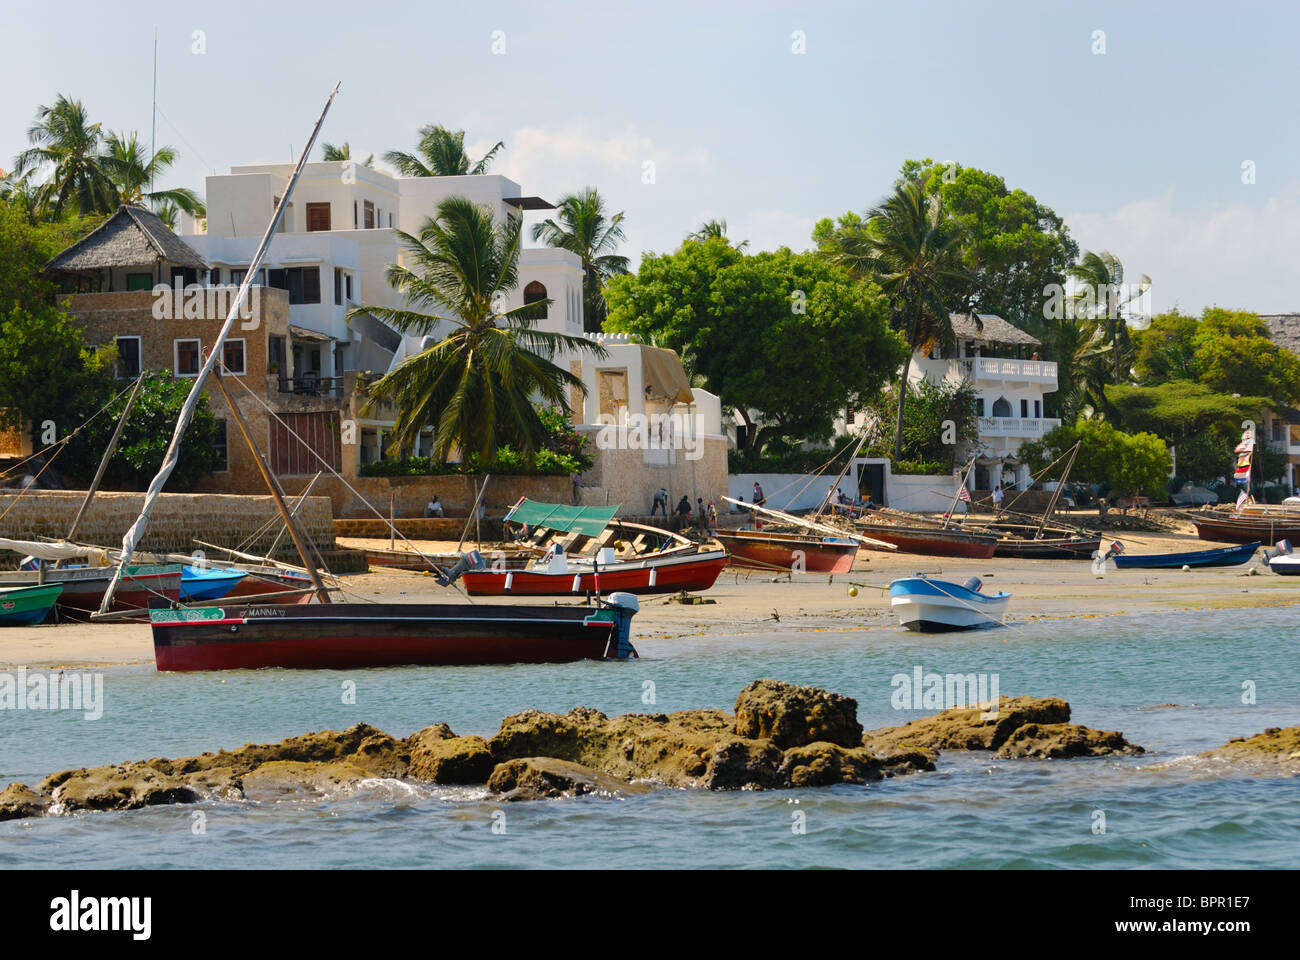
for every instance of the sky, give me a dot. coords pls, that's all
(1139, 123)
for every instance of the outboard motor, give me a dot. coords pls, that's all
(623, 606)
(471, 561)
(1281, 549)
(973, 584)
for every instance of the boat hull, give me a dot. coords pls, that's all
(1247, 529)
(936, 606)
(27, 606)
(1287, 566)
(84, 587)
(670, 575)
(1056, 549)
(934, 543)
(768, 551)
(1225, 557)
(343, 636)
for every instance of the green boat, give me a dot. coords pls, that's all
(24, 606)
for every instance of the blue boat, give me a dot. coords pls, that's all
(928, 605)
(1222, 557)
(200, 583)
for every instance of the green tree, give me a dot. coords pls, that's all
(711, 229)
(65, 142)
(440, 153)
(477, 383)
(1136, 463)
(1014, 248)
(1182, 408)
(1101, 299)
(585, 228)
(333, 152)
(941, 422)
(908, 247)
(145, 437)
(1165, 350)
(25, 248)
(133, 173)
(788, 335)
(1234, 354)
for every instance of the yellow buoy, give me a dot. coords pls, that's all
(853, 591)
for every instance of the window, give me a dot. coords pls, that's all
(232, 357)
(338, 287)
(303, 283)
(347, 286)
(237, 277)
(355, 222)
(1277, 429)
(187, 357)
(390, 219)
(318, 442)
(318, 217)
(139, 281)
(186, 275)
(128, 357)
(214, 277)
(979, 406)
(1024, 408)
(535, 292)
(1001, 408)
(219, 444)
(275, 355)
(1038, 408)
(612, 390)
(370, 215)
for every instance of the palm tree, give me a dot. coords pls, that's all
(476, 384)
(1101, 301)
(711, 229)
(907, 247)
(64, 139)
(441, 153)
(343, 152)
(126, 163)
(585, 228)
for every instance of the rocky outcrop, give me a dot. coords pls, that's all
(439, 756)
(1058, 741)
(1277, 750)
(792, 716)
(540, 778)
(1017, 727)
(19, 801)
(781, 736)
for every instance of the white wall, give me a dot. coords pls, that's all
(919, 494)
(786, 491)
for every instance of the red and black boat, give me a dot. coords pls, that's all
(346, 636)
(789, 551)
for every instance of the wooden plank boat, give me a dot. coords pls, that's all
(83, 587)
(928, 605)
(671, 572)
(789, 551)
(933, 541)
(27, 606)
(262, 580)
(1049, 548)
(209, 583)
(344, 636)
(1241, 528)
(1221, 557)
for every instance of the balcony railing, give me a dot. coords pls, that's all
(1001, 368)
(312, 386)
(1016, 426)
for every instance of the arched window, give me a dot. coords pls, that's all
(1001, 408)
(534, 293)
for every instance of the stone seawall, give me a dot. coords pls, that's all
(177, 520)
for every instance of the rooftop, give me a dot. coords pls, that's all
(131, 237)
(991, 329)
(1284, 329)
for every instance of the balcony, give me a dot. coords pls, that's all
(1016, 426)
(1001, 368)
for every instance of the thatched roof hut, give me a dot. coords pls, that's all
(990, 329)
(118, 254)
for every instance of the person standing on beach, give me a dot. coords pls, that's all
(576, 479)
(683, 512)
(997, 500)
(661, 502)
(701, 517)
(713, 519)
(759, 499)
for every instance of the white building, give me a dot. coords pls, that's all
(336, 241)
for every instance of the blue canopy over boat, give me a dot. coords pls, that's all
(200, 583)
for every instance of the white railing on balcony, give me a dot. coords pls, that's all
(1016, 426)
(1000, 368)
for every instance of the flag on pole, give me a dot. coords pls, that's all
(1243, 498)
(963, 493)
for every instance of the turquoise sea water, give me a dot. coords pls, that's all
(973, 811)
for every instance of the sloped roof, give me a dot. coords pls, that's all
(992, 329)
(131, 237)
(1284, 329)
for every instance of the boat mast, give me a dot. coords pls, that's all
(965, 472)
(131, 540)
(277, 494)
(1051, 504)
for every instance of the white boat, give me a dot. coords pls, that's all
(1281, 560)
(930, 606)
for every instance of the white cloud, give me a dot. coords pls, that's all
(1233, 255)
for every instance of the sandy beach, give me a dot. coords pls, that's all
(746, 601)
